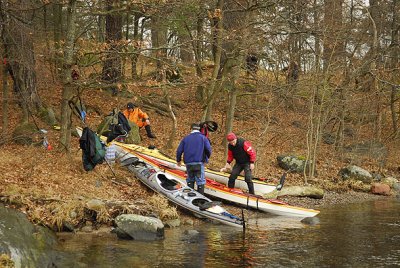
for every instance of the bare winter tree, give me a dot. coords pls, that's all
(394, 52)
(159, 42)
(17, 39)
(112, 64)
(67, 93)
(235, 16)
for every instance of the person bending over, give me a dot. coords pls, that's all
(244, 155)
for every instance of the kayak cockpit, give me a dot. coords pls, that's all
(168, 183)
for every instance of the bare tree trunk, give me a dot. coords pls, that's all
(317, 46)
(137, 38)
(374, 10)
(4, 73)
(172, 135)
(57, 35)
(5, 98)
(333, 51)
(186, 54)
(101, 23)
(395, 54)
(45, 27)
(18, 42)
(197, 49)
(67, 93)
(214, 85)
(159, 43)
(112, 65)
(200, 34)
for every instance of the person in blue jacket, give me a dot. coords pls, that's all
(196, 150)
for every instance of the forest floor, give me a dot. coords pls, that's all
(45, 184)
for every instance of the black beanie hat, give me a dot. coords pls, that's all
(130, 105)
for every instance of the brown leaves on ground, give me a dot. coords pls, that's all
(48, 185)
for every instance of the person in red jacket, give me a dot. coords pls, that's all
(244, 155)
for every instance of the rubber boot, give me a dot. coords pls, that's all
(149, 133)
(190, 184)
(231, 183)
(200, 189)
(251, 187)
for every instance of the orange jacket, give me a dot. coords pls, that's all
(137, 116)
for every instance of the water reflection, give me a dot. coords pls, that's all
(262, 221)
(359, 235)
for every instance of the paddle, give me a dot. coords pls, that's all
(281, 182)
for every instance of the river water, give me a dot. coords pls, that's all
(357, 235)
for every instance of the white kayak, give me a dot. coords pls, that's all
(178, 193)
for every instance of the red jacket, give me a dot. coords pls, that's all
(234, 153)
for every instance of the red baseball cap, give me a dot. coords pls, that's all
(231, 136)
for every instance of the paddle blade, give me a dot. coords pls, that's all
(212, 126)
(281, 182)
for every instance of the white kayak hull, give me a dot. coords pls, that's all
(179, 194)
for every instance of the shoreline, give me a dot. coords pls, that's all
(329, 199)
(333, 198)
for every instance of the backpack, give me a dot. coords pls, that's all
(110, 119)
(114, 125)
(93, 150)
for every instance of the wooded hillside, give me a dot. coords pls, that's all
(316, 79)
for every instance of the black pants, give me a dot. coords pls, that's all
(237, 168)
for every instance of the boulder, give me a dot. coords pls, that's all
(301, 191)
(137, 227)
(389, 181)
(369, 149)
(48, 116)
(173, 223)
(311, 221)
(355, 173)
(26, 244)
(396, 187)
(328, 138)
(95, 204)
(24, 133)
(292, 163)
(381, 189)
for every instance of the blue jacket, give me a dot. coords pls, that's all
(195, 148)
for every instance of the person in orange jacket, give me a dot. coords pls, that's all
(140, 118)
